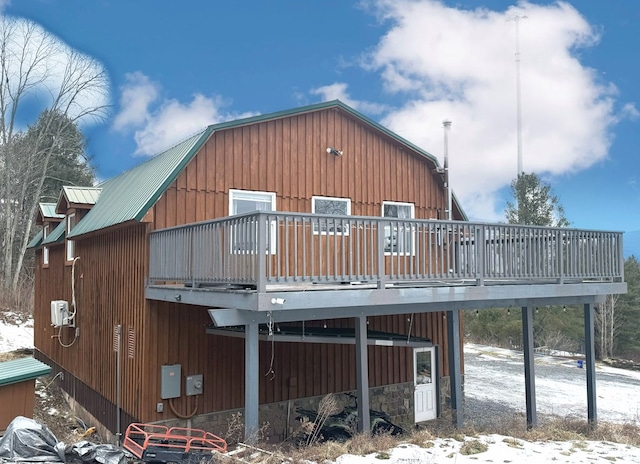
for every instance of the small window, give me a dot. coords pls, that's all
(71, 222)
(45, 250)
(398, 237)
(334, 207)
(244, 236)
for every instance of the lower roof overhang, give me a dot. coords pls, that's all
(343, 336)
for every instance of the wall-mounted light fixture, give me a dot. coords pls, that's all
(334, 151)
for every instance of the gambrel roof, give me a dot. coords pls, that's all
(129, 196)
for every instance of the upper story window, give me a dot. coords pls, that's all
(246, 201)
(71, 222)
(244, 236)
(398, 237)
(45, 249)
(331, 206)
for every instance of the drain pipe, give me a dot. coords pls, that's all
(118, 381)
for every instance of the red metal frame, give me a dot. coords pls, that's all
(140, 437)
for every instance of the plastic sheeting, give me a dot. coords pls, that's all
(26, 440)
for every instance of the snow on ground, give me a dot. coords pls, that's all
(494, 384)
(502, 449)
(15, 335)
(495, 374)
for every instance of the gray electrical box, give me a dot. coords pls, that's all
(170, 381)
(194, 385)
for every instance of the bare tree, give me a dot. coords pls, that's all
(608, 322)
(37, 67)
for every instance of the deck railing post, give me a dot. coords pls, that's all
(480, 255)
(262, 252)
(560, 240)
(381, 267)
(620, 258)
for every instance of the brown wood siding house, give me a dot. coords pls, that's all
(130, 321)
(285, 154)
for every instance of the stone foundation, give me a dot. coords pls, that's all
(279, 420)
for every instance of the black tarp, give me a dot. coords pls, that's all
(26, 440)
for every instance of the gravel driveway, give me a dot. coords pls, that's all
(494, 386)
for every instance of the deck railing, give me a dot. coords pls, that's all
(267, 248)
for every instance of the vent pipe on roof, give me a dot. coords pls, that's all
(447, 125)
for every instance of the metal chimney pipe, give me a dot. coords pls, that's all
(447, 126)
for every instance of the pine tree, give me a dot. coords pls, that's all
(534, 203)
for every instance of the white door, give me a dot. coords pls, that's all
(424, 380)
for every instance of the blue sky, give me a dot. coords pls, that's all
(177, 66)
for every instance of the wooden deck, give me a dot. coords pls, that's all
(272, 261)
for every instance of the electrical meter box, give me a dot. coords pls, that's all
(170, 381)
(194, 385)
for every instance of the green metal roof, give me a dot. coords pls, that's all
(19, 370)
(129, 196)
(48, 210)
(80, 195)
(56, 235)
(35, 241)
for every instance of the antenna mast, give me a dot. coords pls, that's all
(447, 125)
(517, 20)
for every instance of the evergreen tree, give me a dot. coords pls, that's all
(556, 328)
(628, 341)
(534, 203)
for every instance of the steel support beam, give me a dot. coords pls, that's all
(391, 300)
(455, 375)
(251, 377)
(529, 366)
(362, 374)
(590, 358)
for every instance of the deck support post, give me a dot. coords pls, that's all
(362, 374)
(251, 377)
(455, 375)
(590, 361)
(529, 366)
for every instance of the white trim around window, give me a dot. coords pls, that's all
(71, 222)
(330, 206)
(45, 249)
(402, 240)
(247, 201)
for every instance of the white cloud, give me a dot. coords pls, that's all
(43, 72)
(138, 93)
(458, 64)
(629, 111)
(338, 91)
(158, 123)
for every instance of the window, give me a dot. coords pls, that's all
(45, 250)
(71, 222)
(398, 237)
(334, 207)
(247, 201)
